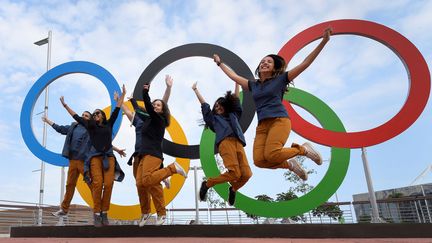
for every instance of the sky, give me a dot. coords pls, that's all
(362, 80)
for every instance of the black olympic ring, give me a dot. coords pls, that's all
(200, 50)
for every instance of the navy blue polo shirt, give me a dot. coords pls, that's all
(224, 126)
(268, 96)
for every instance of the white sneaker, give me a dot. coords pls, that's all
(144, 219)
(297, 169)
(167, 183)
(180, 169)
(59, 213)
(312, 153)
(160, 220)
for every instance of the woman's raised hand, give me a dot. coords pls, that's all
(216, 59)
(168, 81)
(146, 87)
(327, 32)
(62, 100)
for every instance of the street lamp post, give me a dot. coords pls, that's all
(42, 169)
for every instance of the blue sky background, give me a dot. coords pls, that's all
(363, 81)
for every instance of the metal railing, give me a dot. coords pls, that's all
(26, 214)
(14, 213)
(398, 210)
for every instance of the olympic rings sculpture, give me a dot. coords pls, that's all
(332, 134)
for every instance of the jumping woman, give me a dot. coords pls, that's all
(274, 124)
(149, 172)
(155, 191)
(223, 119)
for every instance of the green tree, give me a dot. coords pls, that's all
(286, 196)
(396, 195)
(297, 188)
(331, 210)
(299, 185)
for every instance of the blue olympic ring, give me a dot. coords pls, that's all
(27, 109)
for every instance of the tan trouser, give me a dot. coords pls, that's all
(102, 183)
(235, 161)
(148, 176)
(76, 167)
(146, 193)
(268, 149)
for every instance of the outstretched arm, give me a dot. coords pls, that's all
(293, 73)
(135, 104)
(169, 83)
(60, 129)
(237, 90)
(77, 118)
(230, 73)
(121, 152)
(47, 121)
(124, 107)
(147, 101)
(127, 112)
(69, 110)
(120, 100)
(197, 93)
(116, 111)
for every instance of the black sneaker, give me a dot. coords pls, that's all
(97, 220)
(231, 196)
(203, 191)
(104, 217)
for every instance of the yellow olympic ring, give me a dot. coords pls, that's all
(132, 212)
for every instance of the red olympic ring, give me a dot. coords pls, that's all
(418, 75)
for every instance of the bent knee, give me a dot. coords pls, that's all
(247, 175)
(260, 163)
(234, 173)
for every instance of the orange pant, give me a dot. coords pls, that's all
(268, 149)
(146, 193)
(235, 161)
(102, 183)
(76, 167)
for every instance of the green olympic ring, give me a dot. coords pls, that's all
(322, 192)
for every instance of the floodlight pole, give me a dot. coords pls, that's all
(44, 138)
(375, 218)
(195, 168)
